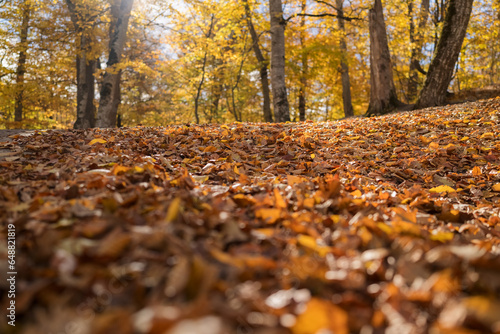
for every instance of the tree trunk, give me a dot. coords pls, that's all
(383, 98)
(344, 68)
(198, 90)
(280, 99)
(110, 89)
(21, 62)
(266, 106)
(85, 94)
(303, 75)
(203, 69)
(85, 70)
(417, 41)
(446, 55)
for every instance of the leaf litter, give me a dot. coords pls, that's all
(372, 225)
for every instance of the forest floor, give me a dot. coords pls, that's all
(367, 225)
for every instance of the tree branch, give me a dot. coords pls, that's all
(346, 18)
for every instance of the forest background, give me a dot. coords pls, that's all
(196, 61)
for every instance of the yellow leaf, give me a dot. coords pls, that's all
(464, 138)
(476, 171)
(138, 169)
(97, 140)
(442, 189)
(488, 135)
(442, 236)
(313, 156)
(496, 187)
(321, 316)
(173, 210)
(310, 243)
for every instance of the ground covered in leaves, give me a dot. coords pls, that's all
(378, 225)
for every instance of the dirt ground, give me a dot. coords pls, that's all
(4, 134)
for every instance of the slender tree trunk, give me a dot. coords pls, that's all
(264, 81)
(383, 97)
(217, 88)
(203, 70)
(303, 75)
(280, 98)
(446, 55)
(110, 89)
(21, 62)
(417, 41)
(344, 68)
(198, 90)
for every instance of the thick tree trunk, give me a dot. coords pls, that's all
(303, 75)
(21, 62)
(110, 89)
(280, 98)
(264, 81)
(85, 70)
(85, 94)
(446, 55)
(344, 68)
(417, 42)
(383, 98)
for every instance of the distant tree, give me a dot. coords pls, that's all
(263, 64)
(446, 54)
(417, 41)
(110, 87)
(304, 63)
(280, 98)
(26, 8)
(344, 68)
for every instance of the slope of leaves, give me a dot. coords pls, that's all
(363, 225)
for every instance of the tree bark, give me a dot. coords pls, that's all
(21, 62)
(417, 41)
(85, 70)
(446, 55)
(383, 97)
(280, 98)
(264, 81)
(85, 94)
(202, 80)
(110, 89)
(344, 68)
(303, 75)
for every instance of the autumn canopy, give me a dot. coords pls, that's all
(260, 167)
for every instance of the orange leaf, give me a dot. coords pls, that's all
(268, 215)
(321, 316)
(279, 201)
